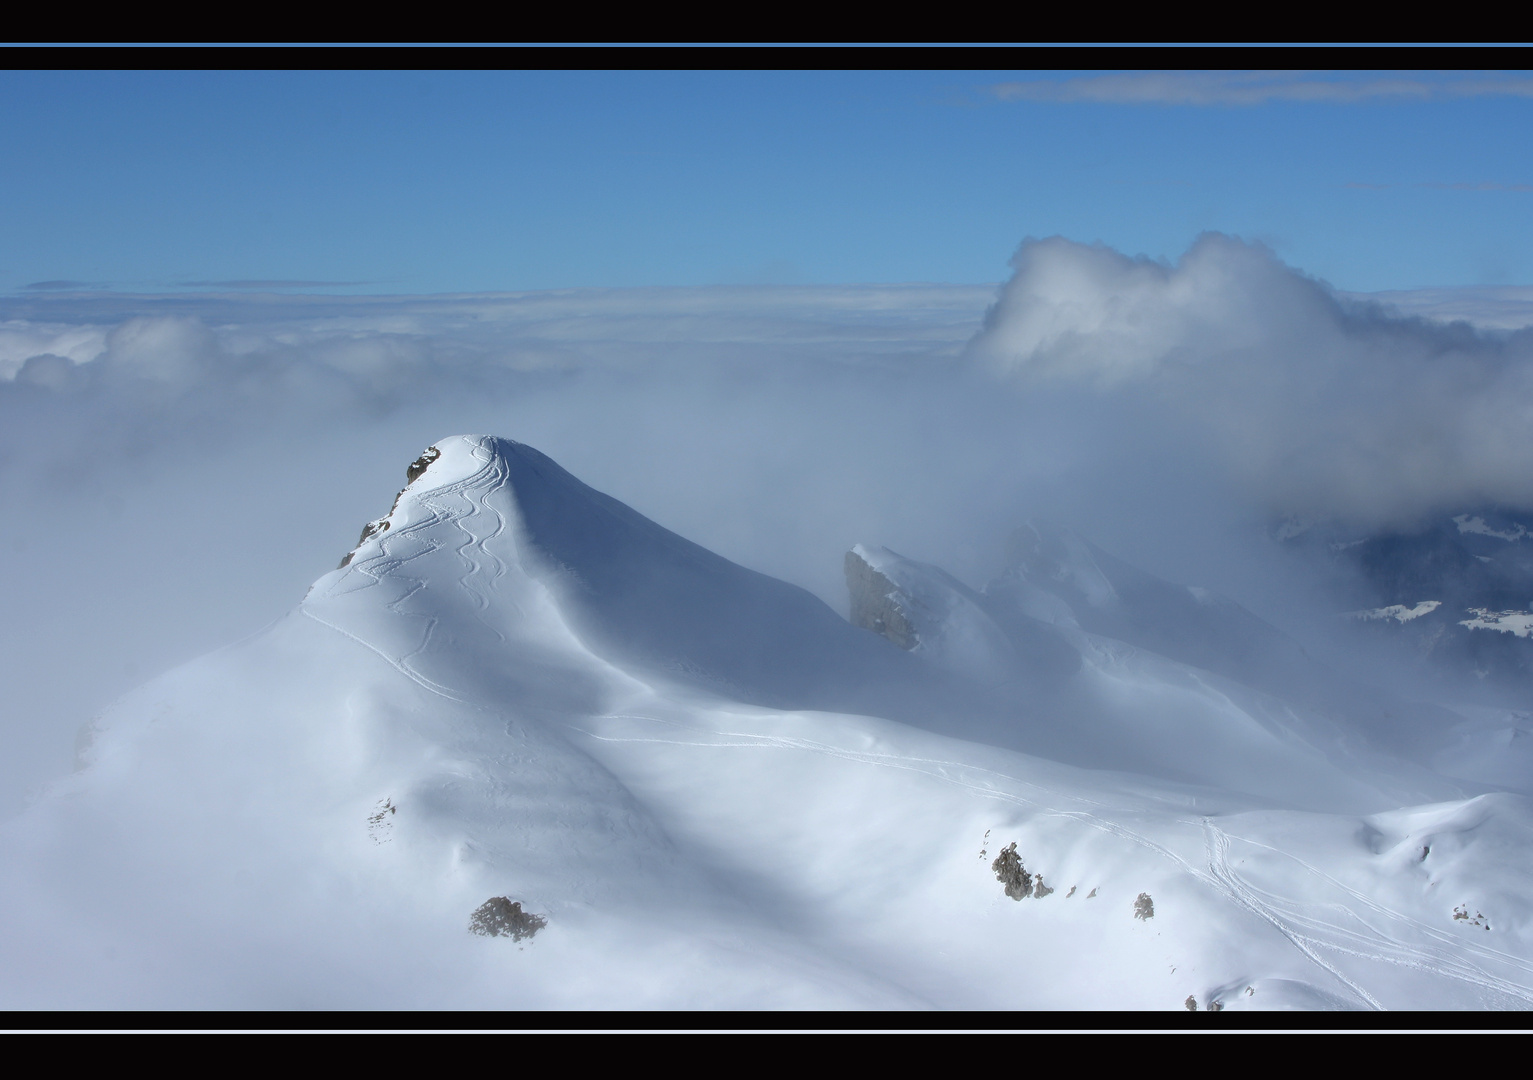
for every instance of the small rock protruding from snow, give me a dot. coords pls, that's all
(500, 915)
(1191, 1004)
(419, 466)
(1144, 907)
(1461, 914)
(370, 530)
(1010, 872)
(379, 823)
(413, 472)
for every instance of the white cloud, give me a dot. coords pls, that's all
(166, 349)
(1317, 404)
(22, 339)
(1245, 88)
(1489, 307)
(180, 468)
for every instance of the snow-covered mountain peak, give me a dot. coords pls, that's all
(469, 454)
(529, 749)
(494, 530)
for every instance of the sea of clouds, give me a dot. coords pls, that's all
(177, 469)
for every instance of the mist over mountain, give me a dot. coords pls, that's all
(1202, 584)
(1318, 404)
(520, 710)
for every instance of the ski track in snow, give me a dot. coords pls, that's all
(1222, 876)
(385, 564)
(1293, 919)
(481, 597)
(1446, 955)
(388, 566)
(1443, 955)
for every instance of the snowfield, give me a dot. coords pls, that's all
(720, 794)
(1399, 612)
(1519, 623)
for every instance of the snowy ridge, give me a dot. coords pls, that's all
(948, 624)
(1063, 579)
(518, 688)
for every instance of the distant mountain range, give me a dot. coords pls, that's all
(1456, 595)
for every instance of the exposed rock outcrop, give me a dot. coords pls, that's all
(500, 915)
(874, 603)
(419, 466)
(413, 472)
(1010, 872)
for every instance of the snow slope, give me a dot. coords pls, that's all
(720, 795)
(1105, 666)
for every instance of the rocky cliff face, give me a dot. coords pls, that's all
(874, 603)
(926, 611)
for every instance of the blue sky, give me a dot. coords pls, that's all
(446, 182)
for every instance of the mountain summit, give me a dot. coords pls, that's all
(486, 524)
(527, 749)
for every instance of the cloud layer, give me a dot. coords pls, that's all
(1317, 404)
(175, 470)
